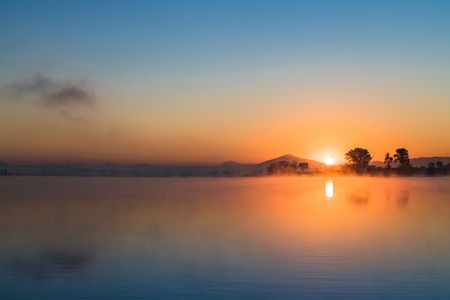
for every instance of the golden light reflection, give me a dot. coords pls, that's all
(329, 189)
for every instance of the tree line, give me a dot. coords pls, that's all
(287, 168)
(358, 160)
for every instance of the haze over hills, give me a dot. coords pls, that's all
(416, 162)
(228, 168)
(234, 168)
(313, 165)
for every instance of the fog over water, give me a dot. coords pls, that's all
(223, 238)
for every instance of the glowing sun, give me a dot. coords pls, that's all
(329, 160)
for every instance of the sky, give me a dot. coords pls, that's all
(203, 82)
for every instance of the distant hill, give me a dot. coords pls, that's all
(228, 168)
(417, 162)
(239, 169)
(313, 165)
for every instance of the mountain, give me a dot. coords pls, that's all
(228, 168)
(416, 162)
(313, 165)
(232, 168)
(231, 164)
(424, 161)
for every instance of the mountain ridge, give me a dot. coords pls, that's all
(227, 168)
(417, 162)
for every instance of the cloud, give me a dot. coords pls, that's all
(50, 93)
(69, 95)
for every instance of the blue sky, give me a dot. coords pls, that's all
(177, 36)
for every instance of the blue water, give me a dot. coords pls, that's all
(224, 238)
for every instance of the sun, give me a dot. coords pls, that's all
(329, 161)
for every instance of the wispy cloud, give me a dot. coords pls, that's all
(49, 92)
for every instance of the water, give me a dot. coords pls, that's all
(227, 238)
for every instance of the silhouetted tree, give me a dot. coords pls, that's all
(388, 160)
(439, 165)
(402, 157)
(303, 167)
(358, 159)
(282, 168)
(431, 168)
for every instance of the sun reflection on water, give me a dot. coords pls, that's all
(329, 189)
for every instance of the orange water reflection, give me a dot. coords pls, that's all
(329, 189)
(241, 212)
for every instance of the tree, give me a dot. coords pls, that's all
(402, 157)
(388, 160)
(358, 159)
(282, 168)
(431, 168)
(303, 166)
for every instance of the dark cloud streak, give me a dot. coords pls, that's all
(70, 95)
(49, 92)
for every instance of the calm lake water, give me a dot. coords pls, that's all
(227, 238)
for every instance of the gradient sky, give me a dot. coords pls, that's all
(209, 81)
